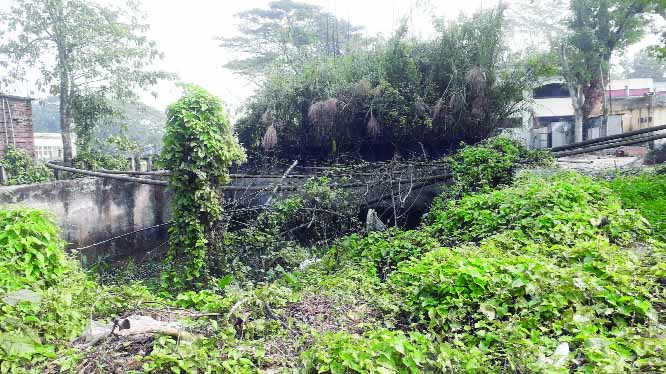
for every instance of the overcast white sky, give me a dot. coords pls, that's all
(184, 31)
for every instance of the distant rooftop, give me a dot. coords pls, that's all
(16, 97)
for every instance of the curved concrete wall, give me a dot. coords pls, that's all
(91, 210)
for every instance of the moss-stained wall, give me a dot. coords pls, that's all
(92, 210)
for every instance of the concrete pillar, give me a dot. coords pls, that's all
(149, 163)
(3, 175)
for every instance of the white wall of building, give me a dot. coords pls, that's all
(553, 107)
(48, 146)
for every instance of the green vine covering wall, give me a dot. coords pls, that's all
(199, 147)
(22, 169)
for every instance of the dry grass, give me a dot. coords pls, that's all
(476, 77)
(374, 128)
(270, 139)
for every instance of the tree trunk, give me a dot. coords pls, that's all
(579, 120)
(65, 118)
(594, 98)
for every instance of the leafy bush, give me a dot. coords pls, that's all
(32, 252)
(95, 160)
(647, 193)
(199, 148)
(549, 271)
(45, 297)
(589, 295)
(491, 164)
(22, 169)
(385, 250)
(559, 210)
(202, 355)
(380, 351)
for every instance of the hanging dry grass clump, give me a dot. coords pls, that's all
(364, 88)
(270, 138)
(455, 101)
(322, 114)
(420, 106)
(374, 128)
(479, 106)
(439, 110)
(476, 77)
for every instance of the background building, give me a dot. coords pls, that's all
(16, 124)
(633, 104)
(48, 146)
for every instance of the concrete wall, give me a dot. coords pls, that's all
(91, 210)
(553, 107)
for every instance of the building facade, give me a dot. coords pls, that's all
(16, 124)
(632, 104)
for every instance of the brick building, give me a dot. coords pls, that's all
(16, 123)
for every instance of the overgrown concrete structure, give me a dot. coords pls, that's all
(16, 124)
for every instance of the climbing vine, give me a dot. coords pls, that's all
(199, 148)
(22, 169)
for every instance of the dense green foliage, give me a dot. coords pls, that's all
(490, 164)
(562, 210)
(546, 273)
(22, 169)
(401, 96)
(99, 120)
(45, 297)
(646, 193)
(549, 272)
(199, 148)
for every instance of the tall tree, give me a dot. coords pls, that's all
(288, 33)
(536, 24)
(597, 29)
(80, 48)
(644, 65)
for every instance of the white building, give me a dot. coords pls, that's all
(48, 146)
(549, 121)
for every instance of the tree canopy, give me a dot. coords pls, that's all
(644, 65)
(287, 35)
(400, 96)
(79, 48)
(596, 30)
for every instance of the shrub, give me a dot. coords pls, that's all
(22, 169)
(199, 148)
(95, 160)
(492, 163)
(558, 210)
(378, 351)
(32, 252)
(587, 294)
(385, 250)
(402, 96)
(647, 193)
(45, 297)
